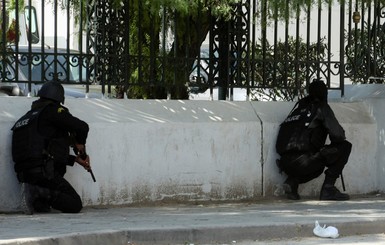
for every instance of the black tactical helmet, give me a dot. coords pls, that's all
(52, 90)
(318, 90)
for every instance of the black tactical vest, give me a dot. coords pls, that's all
(294, 134)
(28, 146)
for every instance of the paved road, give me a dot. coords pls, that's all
(357, 240)
(243, 223)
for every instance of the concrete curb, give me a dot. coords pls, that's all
(201, 235)
(195, 224)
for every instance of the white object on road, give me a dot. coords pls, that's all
(328, 232)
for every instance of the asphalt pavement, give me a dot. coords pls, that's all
(259, 222)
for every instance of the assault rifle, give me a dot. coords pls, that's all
(83, 156)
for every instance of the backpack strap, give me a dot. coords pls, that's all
(295, 106)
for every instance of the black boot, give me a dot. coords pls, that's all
(41, 203)
(291, 188)
(330, 192)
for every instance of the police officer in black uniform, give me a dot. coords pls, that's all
(41, 143)
(305, 158)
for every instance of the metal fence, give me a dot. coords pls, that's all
(133, 51)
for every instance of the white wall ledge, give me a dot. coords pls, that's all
(152, 150)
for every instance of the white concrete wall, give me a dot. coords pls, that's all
(153, 150)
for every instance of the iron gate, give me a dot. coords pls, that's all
(131, 51)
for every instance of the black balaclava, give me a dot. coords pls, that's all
(318, 90)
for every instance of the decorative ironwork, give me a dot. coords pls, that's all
(129, 50)
(107, 40)
(27, 60)
(365, 49)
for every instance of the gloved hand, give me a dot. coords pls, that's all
(84, 162)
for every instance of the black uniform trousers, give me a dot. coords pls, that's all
(61, 196)
(306, 166)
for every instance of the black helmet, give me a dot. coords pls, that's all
(318, 90)
(52, 90)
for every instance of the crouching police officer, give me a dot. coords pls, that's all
(301, 144)
(41, 143)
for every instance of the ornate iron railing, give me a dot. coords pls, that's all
(132, 52)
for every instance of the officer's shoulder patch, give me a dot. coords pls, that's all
(60, 110)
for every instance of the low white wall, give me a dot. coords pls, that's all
(155, 150)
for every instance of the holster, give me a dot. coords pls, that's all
(41, 168)
(48, 168)
(31, 175)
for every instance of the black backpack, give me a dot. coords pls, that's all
(294, 134)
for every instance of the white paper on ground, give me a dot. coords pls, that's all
(328, 232)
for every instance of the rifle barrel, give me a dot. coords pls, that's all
(92, 175)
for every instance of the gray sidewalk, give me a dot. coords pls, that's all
(201, 224)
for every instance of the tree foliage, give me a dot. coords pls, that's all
(284, 10)
(222, 8)
(219, 8)
(182, 17)
(288, 64)
(189, 19)
(365, 54)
